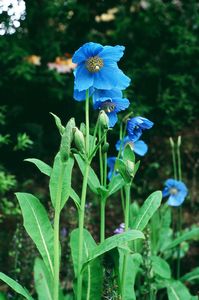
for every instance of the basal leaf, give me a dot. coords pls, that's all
(60, 180)
(42, 166)
(15, 286)
(132, 267)
(38, 226)
(147, 210)
(161, 267)
(93, 180)
(192, 234)
(92, 275)
(43, 281)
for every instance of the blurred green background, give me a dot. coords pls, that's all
(161, 57)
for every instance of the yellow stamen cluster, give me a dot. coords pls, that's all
(94, 64)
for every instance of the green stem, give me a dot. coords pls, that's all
(102, 220)
(173, 157)
(127, 212)
(101, 156)
(179, 208)
(56, 235)
(82, 206)
(105, 162)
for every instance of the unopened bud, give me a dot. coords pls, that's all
(171, 142)
(130, 167)
(179, 141)
(105, 148)
(103, 119)
(79, 140)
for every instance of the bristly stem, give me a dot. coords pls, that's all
(82, 206)
(127, 212)
(179, 208)
(173, 157)
(56, 235)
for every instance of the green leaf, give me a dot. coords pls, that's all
(58, 123)
(132, 267)
(116, 183)
(15, 286)
(113, 242)
(38, 226)
(42, 166)
(192, 234)
(75, 198)
(2, 296)
(165, 231)
(147, 210)
(178, 291)
(43, 281)
(66, 140)
(128, 154)
(122, 169)
(93, 273)
(93, 180)
(60, 180)
(161, 267)
(192, 276)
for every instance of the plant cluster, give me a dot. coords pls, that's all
(135, 262)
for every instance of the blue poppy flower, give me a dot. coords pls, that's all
(97, 67)
(111, 102)
(176, 191)
(136, 125)
(81, 95)
(139, 147)
(111, 164)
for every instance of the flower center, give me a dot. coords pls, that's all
(94, 64)
(173, 191)
(108, 106)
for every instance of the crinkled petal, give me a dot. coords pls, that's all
(83, 78)
(112, 118)
(81, 96)
(121, 104)
(86, 51)
(112, 52)
(140, 148)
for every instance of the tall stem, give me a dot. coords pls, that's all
(102, 219)
(82, 206)
(127, 212)
(173, 157)
(56, 235)
(179, 208)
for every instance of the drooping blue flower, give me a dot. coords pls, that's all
(136, 125)
(111, 102)
(176, 191)
(139, 147)
(97, 67)
(111, 164)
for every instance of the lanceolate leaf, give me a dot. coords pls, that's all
(132, 267)
(113, 242)
(92, 275)
(43, 281)
(58, 123)
(75, 198)
(38, 226)
(147, 210)
(93, 180)
(15, 286)
(42, 166)
(60, 180)
(193, 233)
(178, 291)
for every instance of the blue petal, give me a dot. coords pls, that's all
(165, 192)
(176, 200)
(105, 79)
(83, 78)
(111, 165)
(115, 93)
(123, 142)
(86, 51)
(99, 103)
(121, 104)
(112, 118)
(112, 53)
(140, 148)
(81, 96)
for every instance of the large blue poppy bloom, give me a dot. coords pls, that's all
(97, 67)
(111, 164)
(111, 102)
(139, 147)
(176, 191)
(136, 125)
